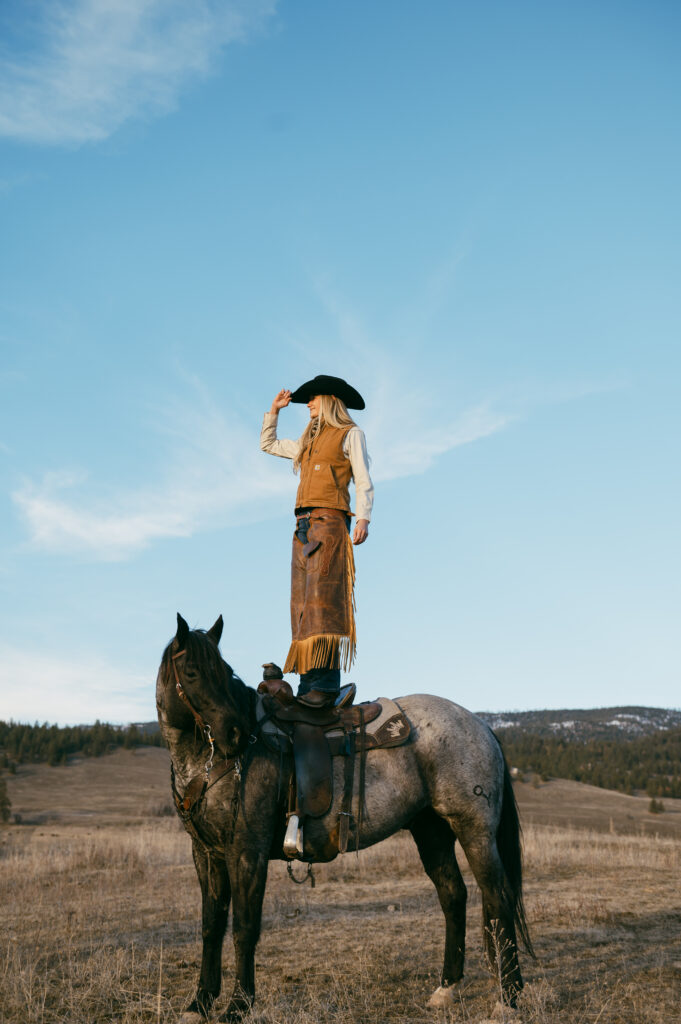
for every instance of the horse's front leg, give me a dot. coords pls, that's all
(248, 874)
(215, 892)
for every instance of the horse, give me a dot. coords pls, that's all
(449, 782)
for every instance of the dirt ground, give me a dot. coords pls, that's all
(100, 913)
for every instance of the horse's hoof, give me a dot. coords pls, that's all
(443, 997)
(236, 1010)
(197, 1011)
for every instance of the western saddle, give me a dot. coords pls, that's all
(317, 735)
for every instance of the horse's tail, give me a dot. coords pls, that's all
(509, 844)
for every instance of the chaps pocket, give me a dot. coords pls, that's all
(313, 543)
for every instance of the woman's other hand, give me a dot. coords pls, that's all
(281, 399)
(361, 531)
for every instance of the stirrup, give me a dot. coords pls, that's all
(346, 696)
(293, 841)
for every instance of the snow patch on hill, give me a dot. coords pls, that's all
(593, 723)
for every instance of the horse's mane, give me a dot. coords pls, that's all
(203, 652)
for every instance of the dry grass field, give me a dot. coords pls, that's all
(100, 909)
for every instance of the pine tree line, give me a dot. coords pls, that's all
(29, 744)
(648, 763)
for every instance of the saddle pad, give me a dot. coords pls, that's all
(390, 729)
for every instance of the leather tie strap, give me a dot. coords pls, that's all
(362, 772)
(346, 804)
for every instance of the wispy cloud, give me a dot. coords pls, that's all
(112, 532)
(217, 476)
(412, 416)
(8, 185)
(84, 67)
(71, 691)
(413, 448)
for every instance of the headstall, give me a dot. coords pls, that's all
(203, 726)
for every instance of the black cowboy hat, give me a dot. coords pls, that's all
(323, 385)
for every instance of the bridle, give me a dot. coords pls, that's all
(186, 805)
(202, 724)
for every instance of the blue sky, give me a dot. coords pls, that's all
(469, 210)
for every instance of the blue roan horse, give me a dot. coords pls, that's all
(449, 782)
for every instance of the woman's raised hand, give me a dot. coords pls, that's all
(281, 399)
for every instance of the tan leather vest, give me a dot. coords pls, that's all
(325, 472)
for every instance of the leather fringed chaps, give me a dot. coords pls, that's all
(322, 597)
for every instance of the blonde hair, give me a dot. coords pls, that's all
(334, 413)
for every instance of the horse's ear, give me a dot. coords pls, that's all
(215, 631)
(182, 631)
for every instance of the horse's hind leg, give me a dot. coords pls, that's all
(498, 914)
(215, 893)
(435, 841)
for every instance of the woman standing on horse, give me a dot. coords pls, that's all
(330, 453)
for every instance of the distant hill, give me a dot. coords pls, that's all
(618, 723)
(630, 749)
(592, 724)
(147, 728)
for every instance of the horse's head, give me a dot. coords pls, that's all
(196, 686)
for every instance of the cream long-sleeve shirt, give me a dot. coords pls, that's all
(354, 449)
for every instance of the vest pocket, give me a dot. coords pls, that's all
(327, 485)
